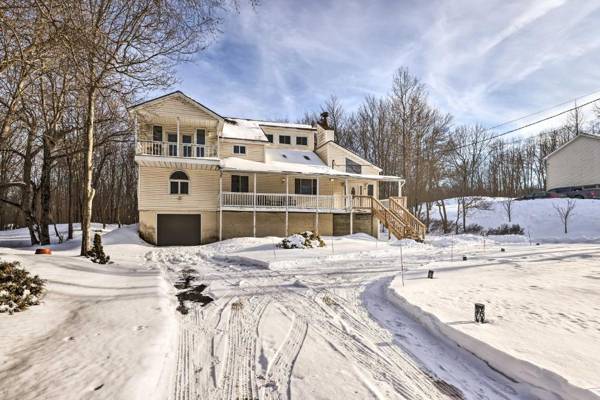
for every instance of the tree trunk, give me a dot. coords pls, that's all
(28, 197)
(70, 200)
(45, 192)
(88, 190)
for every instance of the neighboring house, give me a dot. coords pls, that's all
(204, 177)
(574, 165)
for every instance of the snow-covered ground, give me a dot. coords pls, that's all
(323, 323)
(538, 218)
(101, 332)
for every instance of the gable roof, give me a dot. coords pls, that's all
(182, 96)
(362, 160)
(581, 135)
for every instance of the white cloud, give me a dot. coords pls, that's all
(486, 61)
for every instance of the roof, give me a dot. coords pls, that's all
(249, 129)
(581, 135)
(362, 160)
(178, 93)
(280, 160)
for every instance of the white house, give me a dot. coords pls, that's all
(574, 165)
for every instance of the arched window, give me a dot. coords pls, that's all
(179, 183)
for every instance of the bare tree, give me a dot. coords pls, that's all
(507, 205)
(564, 211)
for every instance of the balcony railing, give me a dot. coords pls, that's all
(171, 149)
(282, 201)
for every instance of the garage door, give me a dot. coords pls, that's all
(178, 229)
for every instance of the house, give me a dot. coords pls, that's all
(204, 177)
(574, 165)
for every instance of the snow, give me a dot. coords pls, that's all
(538, 217)
(246, 129)
(310, 168)
(327, 322)
(101, 331)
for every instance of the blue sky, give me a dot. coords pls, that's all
(482, 61)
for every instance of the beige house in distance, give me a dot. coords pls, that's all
(575, 165)
(204, 177)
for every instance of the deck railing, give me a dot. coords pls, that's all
(282, 201)
(172, 149)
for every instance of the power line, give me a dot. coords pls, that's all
(521, 127)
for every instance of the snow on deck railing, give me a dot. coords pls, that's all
(282, 201)
(172, 149)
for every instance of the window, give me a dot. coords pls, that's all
(305, 186)
(239, 149)
(200, 142)
(353, 167)
(371, 190)
(200, 136)
(239, 183)
(172, 138)
(187, 145)
(302, 140)
(179, 183)
(284, 139)
(157, 135)
(270, 138)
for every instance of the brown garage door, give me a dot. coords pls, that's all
(178, 229)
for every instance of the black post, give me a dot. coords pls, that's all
(479, 313)
(502, 249)
(464, 258)
(430, 274)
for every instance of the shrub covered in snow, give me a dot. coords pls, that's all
(304, 240)
(18, 289)
(505, 229)
(97, 252)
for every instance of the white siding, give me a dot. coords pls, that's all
(576, 164)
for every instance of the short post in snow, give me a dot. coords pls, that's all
(479, 313)
(430, 274)
(464, 258)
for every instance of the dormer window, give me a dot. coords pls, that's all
(237, 149)
(302, 140)
(179, 183)
(285, 139)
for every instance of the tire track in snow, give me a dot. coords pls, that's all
(239, 375)
(279, 373)
(398, 370)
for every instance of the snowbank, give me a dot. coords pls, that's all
(543, 323)
(538, 218)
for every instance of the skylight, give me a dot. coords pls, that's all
(284, 156)
(306, 157)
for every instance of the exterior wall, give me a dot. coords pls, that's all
(335, 156)
(577, 164)
(175, 106)
(145, 130)
(361, 223)
(275, 183)
(154, 190)
(254, 151)
(239, 224)
(209, 224)
(276, 131)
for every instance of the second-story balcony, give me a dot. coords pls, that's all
(174, 149)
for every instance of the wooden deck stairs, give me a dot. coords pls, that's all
(394, 216)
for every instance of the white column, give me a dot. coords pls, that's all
(317, 212)
(254, 203)
(287, 201)
(221, 205)
(399, 188)
(178, 149)
(351, 209)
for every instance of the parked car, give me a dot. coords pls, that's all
(584, 194)
(541, 195)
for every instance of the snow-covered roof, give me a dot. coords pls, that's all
(248, 129)
(282, 160)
